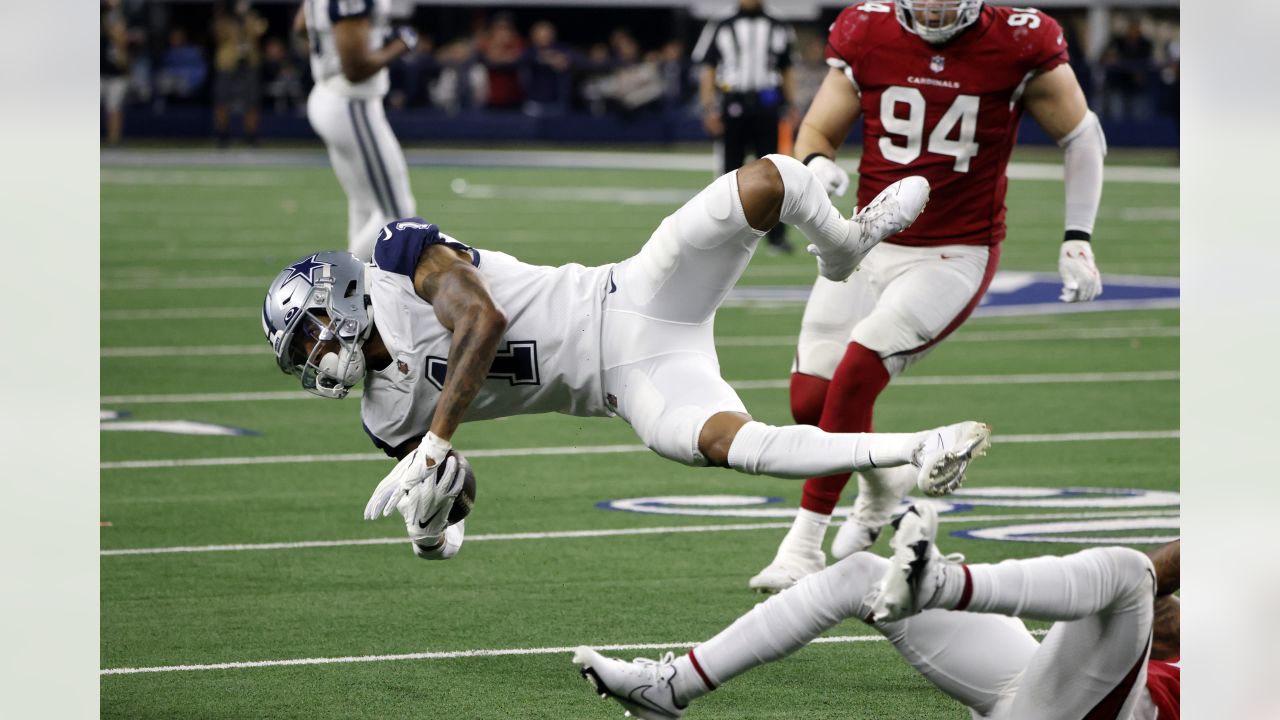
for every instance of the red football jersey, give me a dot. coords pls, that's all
(1164, 682)
(948, 112)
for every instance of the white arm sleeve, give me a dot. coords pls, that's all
(1084, 147)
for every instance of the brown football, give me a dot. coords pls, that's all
(467, 498)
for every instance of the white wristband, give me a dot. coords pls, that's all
(435, 448)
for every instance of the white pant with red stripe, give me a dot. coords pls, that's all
(900, 303)
(1090, 666)
(368, 161)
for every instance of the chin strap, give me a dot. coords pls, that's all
(347, 366)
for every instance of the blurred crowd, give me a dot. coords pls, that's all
(230, 58)
(498, 67)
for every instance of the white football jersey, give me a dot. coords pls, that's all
(548, 361)
(326, 67)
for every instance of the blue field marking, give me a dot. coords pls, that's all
(1073, 515)
(112, 421)
(1015, 293)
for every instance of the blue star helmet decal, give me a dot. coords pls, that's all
(304, 268)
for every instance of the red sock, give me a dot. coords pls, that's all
(858, 381)
(808, 394)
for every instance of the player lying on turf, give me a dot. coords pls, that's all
(942, 86)
(443, 333)
(1112, 651)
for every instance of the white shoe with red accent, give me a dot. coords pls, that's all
(642, 687)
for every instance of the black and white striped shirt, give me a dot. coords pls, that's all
(749, 51)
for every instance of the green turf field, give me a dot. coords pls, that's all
(186, 255)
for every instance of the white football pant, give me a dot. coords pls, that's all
(1102, 599)
(368, 161)
(661, 372)
(899, 303)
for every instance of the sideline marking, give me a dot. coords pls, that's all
(578, 450)
(617, 532)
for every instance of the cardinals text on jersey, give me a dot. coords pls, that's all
(948, 112)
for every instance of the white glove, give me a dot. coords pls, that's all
(448, 545)
(833, 178)
(422, 492)
(408, 36)
(1080, 279)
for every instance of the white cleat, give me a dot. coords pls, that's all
(945, 454)
(786, 570)
(642, 687)
(891, 212)
(915, 570)
(853, 537)
(880, 496)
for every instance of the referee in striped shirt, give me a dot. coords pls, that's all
(747, 58)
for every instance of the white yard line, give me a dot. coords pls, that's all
(208, 282)
(456, 654)
(171, 178)
(727, 341)
(618, 532)
(928, 380)
(1030, 379)
(1107, 333)
(206, 313)
(581, 159)
(578, 450)
(444, 655)
(186, 398)
(184, 351)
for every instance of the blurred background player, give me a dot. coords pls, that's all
(349, 58)
(1113, 650)
(746, 58)
(237, 61)
(114, 62)
(942, 85)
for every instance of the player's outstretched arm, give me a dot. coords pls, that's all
(359, 61)
(1057, 103)
(464, 305)
(824, 128)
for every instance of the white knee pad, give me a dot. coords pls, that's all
(712, 217)
(672, 433)
(818, 354)
(803, 197)
(851, 578)
(1136, 573)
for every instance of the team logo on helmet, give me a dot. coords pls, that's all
(937, 63)
(304, 268)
